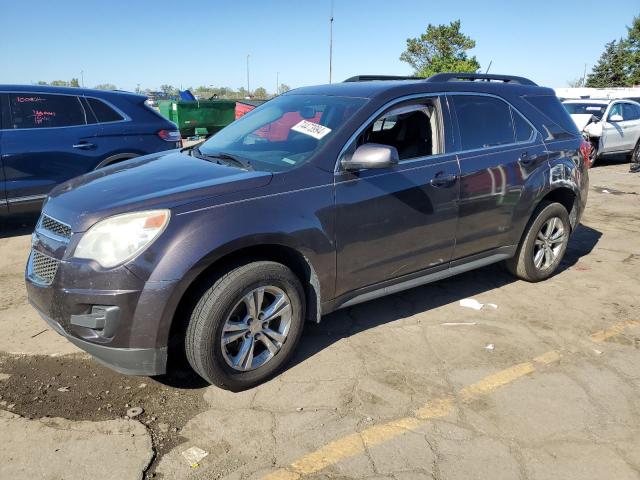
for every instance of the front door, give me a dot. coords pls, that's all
(46, 142)
(499, 150)
(396, 221)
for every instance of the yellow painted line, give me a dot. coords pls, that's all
(616, 329)
(356, 443)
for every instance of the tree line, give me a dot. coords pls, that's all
(619, 64)
(202, 92)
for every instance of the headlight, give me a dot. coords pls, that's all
(117, 239)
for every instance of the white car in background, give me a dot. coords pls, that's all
(612, 126)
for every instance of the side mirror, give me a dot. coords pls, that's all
(616, 118)
(371, 155)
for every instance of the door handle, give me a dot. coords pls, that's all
(442, 180)
(84, 146)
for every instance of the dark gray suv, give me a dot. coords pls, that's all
(320, 199)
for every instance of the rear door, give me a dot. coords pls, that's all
(498, 150)
(397, 221)
(47, 141)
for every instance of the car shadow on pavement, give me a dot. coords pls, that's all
(18, 225)
(353, 320)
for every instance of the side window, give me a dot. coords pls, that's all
(413, 129)
(483, 121)
(36, 110)
(521, 127)
(616, 109)
(103, 112)
(630, 111)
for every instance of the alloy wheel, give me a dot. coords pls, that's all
(256, 329)
(548, 243)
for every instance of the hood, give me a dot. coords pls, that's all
(163, 180)
(583, 119)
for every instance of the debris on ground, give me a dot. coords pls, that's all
(194, 455)
(476, 305)
(490, 346)
(63, 389)
(134, 412)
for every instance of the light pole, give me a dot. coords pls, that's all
(277, 83)
(82, 78)
(331, 42)
(248, 85)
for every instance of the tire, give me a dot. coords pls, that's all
(232, 308)
(526, 263)
(635, 158)
(593, 153)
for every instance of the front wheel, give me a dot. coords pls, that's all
(593, 153)
(543, 245)
(635, 159)
(246, 326)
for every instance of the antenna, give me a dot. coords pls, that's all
(331, 42)
(487, 71)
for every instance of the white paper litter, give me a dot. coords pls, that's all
(490, 346)
(194, 455)
(604, 190)
(476, 305)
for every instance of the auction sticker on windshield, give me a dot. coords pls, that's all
(312, 129)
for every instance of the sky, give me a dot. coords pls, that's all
(188, 44)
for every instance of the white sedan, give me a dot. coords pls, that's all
(612, 126)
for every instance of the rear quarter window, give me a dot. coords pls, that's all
(103, 112)
(558, 124)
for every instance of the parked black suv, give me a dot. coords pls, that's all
(319, 199)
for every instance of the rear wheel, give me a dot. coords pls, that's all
(246, 326)
(543, 245)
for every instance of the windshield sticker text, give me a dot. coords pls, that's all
(312, 129)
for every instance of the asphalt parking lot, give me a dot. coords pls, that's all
(544, 385)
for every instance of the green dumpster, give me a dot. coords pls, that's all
(210, 114)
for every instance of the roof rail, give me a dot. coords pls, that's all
(485, 77)
(367, 78)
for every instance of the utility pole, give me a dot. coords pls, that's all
(248, 85)
(82, 78)
(277, 83)
(584, 75)
(331, 42)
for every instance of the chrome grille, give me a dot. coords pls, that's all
(43, 268)
(54, 226)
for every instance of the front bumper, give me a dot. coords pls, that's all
(130, 361)
(67, 293)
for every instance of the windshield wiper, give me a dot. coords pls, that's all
(228, 158)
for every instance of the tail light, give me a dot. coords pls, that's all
(169, 135)
(585, 150)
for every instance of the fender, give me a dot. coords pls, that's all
(116, 158)
(562, 171)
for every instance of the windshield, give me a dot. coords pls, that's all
(595, 109)
(284, 132)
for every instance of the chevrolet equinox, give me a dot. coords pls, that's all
(320, 199)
